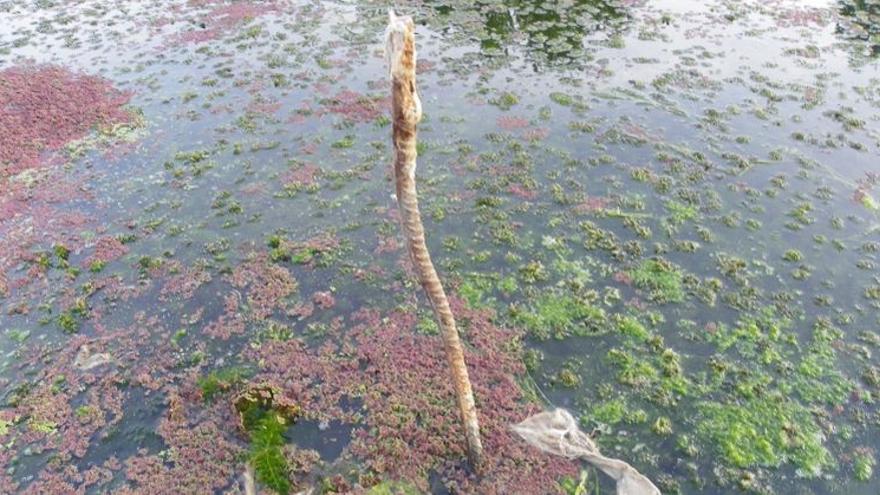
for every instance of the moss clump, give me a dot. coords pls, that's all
(764, 431)
(660, 278)
(680, 212)
(220, 381)
(97, 265)
(631, 327)
(561, 315)
(579, 486)
(61, 252)
(68, 322)
(505, 101)
(863, 466)
(344, 142)
(793, 255)
(662, 427)
(562, 99)
(266, 456)
(568, 378)
(612, 412)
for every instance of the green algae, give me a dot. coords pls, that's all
(266, 455)
(793, 255)
(580, 485)
(4, 426)
(817, 379)
(344, 142)
(560, 316)
(756, 337)
(766, 432)
(475, 290)
(656, 376)
(390, 487)
(631, 327)
(612, 412)
(220, 381)
(662, 426)
(41, 426)
(680, 212)
(863, 466)
(505, 100)
(68, 322)
(265, 420)
(661, 279)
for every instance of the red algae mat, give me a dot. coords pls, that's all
(44, 107)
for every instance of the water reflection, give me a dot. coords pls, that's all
(552, 32)
(860, 21)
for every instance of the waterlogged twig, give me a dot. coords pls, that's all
(400, 53)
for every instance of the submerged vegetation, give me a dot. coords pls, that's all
(660, 279)
(660, 216)
(765, 431)
(264, 418)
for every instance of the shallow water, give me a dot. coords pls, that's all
(567, 149)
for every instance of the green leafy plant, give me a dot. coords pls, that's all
(266, 455)
(661, 279)
(220, 381)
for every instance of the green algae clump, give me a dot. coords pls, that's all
(264, 416)
(220, 381)
(766, 432)
(561, 315)
(863, 466)
(661, 279)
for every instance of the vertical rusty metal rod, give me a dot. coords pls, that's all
(400, 53)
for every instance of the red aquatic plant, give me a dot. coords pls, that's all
(268, 284)
(223, 18)
(387, 244)
(622, 277)
(304, 175)
(230, 323)
(202, 459)
(262, 106)
(184, 284)
(106, 249)
(510, 123)
(355, 107)
(522, 192)
(592, 204)
(324, 299)
(802, 16)
(410, 427)
(43, 107)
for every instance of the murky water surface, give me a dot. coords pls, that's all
(659, 214)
